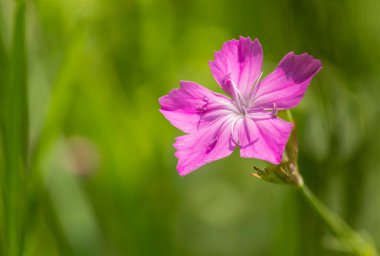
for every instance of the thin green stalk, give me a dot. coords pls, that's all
(350, 239)
(16, 136)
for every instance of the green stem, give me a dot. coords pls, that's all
(15, 137)
(350, 239)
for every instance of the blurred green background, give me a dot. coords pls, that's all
(101, 156)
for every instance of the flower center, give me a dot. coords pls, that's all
(239, 100)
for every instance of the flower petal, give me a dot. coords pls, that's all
(287, 84)
(204, 146)
(192, 106)
(239, 61)
(263, 138)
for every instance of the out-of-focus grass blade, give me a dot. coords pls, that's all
(57, 109)
(3, 81)
(15, 135)
(58, 103)
(79, 226)
(3, 66)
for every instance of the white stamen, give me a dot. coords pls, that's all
(239, 99)
(255, 84)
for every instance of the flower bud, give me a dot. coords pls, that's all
(286, 172)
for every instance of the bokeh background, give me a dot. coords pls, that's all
(103, 155)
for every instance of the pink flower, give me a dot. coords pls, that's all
(216, 124)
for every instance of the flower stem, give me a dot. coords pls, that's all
(350, 239)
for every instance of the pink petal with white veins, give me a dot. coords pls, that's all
(286, 85)
(204, 146)
(262, 138)
(192, 106)
(238, 64)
